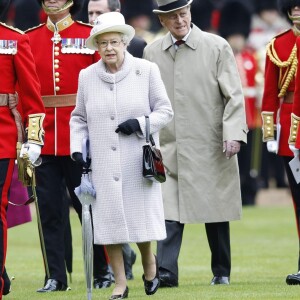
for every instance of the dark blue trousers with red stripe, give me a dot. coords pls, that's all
(6, 171)
(295, 190)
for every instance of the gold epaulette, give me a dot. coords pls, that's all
(35, 27)
(295, 120)
(268, 127)
(282, 33)
(83, 23)
(12, 28)
(35, 131)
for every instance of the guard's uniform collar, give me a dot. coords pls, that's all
(60, 25)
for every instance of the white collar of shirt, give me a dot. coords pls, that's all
(184, 38)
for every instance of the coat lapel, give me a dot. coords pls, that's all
(168, 45)
(192, 41)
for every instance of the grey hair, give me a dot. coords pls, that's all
(125, 39)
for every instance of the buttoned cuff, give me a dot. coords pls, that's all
(268, 127)
(294, 129)
(35, 131)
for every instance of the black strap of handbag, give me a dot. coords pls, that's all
(149, 137)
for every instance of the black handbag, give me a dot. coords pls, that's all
(153, 167)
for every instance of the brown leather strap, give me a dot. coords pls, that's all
(13, 100)
(3, 99)
(289, 97)
(60, 100)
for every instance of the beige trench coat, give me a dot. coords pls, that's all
(204, 87)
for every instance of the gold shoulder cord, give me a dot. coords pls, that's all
(292, 61)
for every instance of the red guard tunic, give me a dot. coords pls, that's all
(296, 104)
(276, 75)
(247, 67)
(17, 68)
(17, 72)
(60, 56)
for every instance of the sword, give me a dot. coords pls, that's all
(30, 171)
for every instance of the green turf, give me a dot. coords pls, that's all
(264, 250)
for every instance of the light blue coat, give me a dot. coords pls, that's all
(128, 208)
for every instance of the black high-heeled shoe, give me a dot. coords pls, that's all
(121, 296)
(151, 286)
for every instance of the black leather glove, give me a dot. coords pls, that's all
(128, 127)
(77, 156)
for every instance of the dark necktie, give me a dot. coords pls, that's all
(179, 42)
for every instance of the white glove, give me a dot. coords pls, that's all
(231, 148)
(33, 151)
(294, 150)
(272, 146)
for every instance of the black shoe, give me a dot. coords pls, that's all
(293, 279)
(7, 283)
(151, 286)
(122, 296)
(220, 280)
(53, 285)
(102, 282)
(167, 279)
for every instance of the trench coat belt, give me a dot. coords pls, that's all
(289, 97)
(3, 99)
(59, 100)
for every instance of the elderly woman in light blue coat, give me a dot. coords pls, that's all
(114, 96)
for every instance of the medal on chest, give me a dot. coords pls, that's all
(56, 38)
(8, 47)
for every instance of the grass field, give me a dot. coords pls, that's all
(264, 250)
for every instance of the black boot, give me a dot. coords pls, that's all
(7, 283)
(102, 274)
(129, 257)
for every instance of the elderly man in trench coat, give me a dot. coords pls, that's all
(200, 143)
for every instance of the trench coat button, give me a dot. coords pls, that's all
(116, 178)
(56, 74)
(112, 118)
(113, 148)
(56, 53)
(111, 87)
(57, 88)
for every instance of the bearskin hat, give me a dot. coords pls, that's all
(235, 18)
(4, 6)
(285, 6)
(202, 11)
(133, 8)
(74, 9)
(261, 5)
